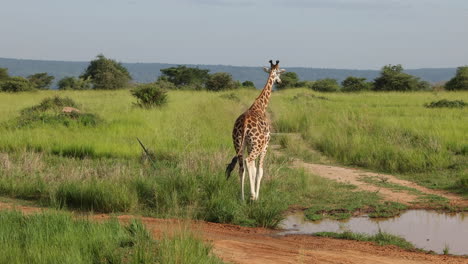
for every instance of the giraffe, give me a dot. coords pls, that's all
(252, 130)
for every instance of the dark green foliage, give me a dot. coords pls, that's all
(355, 84)
(288, 80)
(73, 83)
(220, 81)
(4, 74)
(326, 85)
(392, 78)
(107, 74)
(248, 84)
(41, 81)
(165, 85)
(446, 103)
(49, 111)
(460, 81)
(185, 76)
(150, 95)
(16, 84)
(51, 104)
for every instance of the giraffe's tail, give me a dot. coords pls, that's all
(231, 166)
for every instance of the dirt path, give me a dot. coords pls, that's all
(403, 191)
(237, 244)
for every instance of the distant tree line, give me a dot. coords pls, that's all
(391, 78)
(107, 74)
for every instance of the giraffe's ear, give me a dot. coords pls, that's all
(266, 69)
(281, 71)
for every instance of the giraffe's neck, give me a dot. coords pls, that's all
(262, 100)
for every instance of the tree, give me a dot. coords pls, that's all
(16, 84)
(41, 81)
(220, 81)
(354, 84)
(73, 83)
(288, 79)
(106, 74)
(248, 84)
(326, 85)
(185, 76)
(460, 81)
(392, 78)
(4, 74)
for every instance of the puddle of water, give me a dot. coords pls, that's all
(424, 229)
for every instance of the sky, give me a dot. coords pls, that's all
(352, 34)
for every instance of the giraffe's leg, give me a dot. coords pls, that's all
(242, 169)
(252, 173)
(260, 173)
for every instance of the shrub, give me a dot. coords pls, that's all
(392, 78)
(446, 103)
(326, 85)
(16, 84)
(49, 111)
(150, 95)
(248, 84)
(41, 81)
(183, 76)
(460, 81)
(220, 81)
(288, 80)
(355, 84)
(73, 83)
(51, 104)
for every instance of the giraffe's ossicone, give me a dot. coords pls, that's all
(252, 132)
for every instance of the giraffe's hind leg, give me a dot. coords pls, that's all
(260, 173)
(242, 174)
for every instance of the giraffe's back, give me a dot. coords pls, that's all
(255, 126)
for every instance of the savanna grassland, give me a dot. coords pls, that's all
(97, 165)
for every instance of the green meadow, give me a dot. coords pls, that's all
(102, 168)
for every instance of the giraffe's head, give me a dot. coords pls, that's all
(274, 71)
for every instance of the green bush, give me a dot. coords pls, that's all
(220, 81)
(392, 78)
(49, 111)
(288, 80)
(355, 84)
(460, 81)
(16, 84)
(73, 83)
(446, 103)
(326, 85)
(150, 95)
(248, 84)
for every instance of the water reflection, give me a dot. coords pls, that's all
(425, 229)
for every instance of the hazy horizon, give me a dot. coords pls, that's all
(332, 34)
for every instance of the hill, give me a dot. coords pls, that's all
(148, 72)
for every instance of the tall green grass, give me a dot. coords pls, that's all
(390, 132)
(57, 238)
